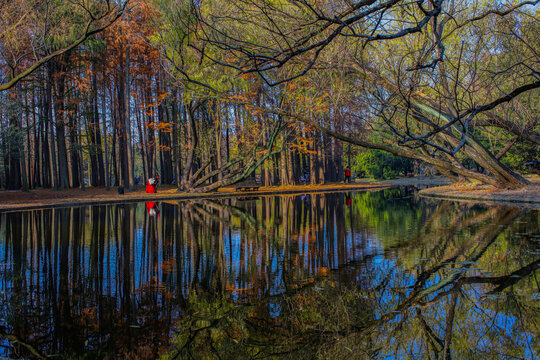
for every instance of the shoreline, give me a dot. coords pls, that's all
(169, 193)
(442, 189)
(528, 196)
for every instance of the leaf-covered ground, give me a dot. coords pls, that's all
(527, 195)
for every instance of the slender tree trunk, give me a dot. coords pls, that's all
(283, 163)
(50, 119)
(29, 151)
(74, 149)
(46, 167)
(218, 131)
(80, 154)
(320, 159)
(142, 143)
(105, 142)
(121, 128)
(176, 147)
(96, 128)
(150, 129)
(194, 141)
(130, 181)
(36, 154)
(313, 161)
(59, 104)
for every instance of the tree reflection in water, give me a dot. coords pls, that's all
(384, 275)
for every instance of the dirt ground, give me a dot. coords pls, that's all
(529, 194)
(418, 180)
(19, 200)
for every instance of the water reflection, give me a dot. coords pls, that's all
(351, 275)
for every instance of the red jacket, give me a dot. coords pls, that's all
(150, 188)
(347, 172)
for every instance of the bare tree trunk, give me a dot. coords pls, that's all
(283, 160)
(45, 155)
(130, 181)
(194, 141)
(48, 101)
(29, 151)
(176, 152)
(96, 128)
(80, 155)
(106, 172)
(60, 72)
(218, 124)
(142, 143)
(74, 148)
(320, 159)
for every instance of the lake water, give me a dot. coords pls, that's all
(360, 275)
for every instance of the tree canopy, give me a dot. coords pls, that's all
(215, 92)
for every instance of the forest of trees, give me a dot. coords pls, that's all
(209, 93)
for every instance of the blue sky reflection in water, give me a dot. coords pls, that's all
(385, 275)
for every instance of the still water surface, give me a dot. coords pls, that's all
(367, 275)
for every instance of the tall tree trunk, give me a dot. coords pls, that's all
(50, 119)
(283, 163)
(194, 141)
(150, 128)
(60, 81)
(80, 155)
(105, 138)
(122, 130)
(165, 143)
(218, 132)
(142, 143)
(96, 128)
(176, 147)
(28, 132)
(36, 179)
(313, 161)
(320, 159)
(45, 154)
(130, 181)
(74, 148)
(15, 143)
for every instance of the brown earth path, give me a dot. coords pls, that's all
(44, 198)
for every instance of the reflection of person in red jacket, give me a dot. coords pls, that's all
(151, 185)
(348, 175)
(152, 208)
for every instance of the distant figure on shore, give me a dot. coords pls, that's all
(151, 185)
(348, 175)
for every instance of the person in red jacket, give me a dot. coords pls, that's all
(348, 175)
(151, 185)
